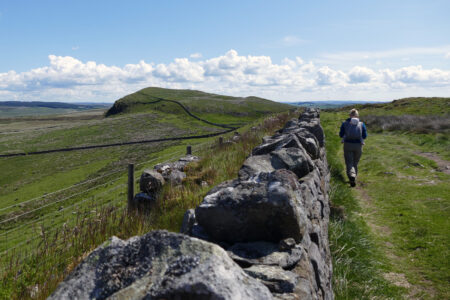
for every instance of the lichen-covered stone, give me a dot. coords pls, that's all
(159, 265)
(266, 208)
(275, 278)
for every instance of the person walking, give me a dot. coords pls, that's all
(353, 133)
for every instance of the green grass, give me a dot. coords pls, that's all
(358, 263)
(197, 102)
(58, 227)
(401, 206)
(59, 250)
(408, 106)
(410, 198)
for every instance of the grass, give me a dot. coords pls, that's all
(358, 263)
(59, 251)
(410, 198)
(421, 106)
(400, 207)
(50, 204)
(200, 103)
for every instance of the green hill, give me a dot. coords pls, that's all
(410, 106)
(213, 107)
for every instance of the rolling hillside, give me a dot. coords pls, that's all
(42, 195)
(411, 106)
(156, 130)
(12, 109)
(213, 107)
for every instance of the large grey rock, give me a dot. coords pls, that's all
(179, 165)
(275, 278)
(266, 208)
(314, 127)
(277, 142)
(264, 253)
(159, 265)
(293, 159)
(151, 182)
(254, 165)
(174, 172)
(176, 177)
(309, 142)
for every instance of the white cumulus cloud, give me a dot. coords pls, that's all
(360, 74)
(67, 78)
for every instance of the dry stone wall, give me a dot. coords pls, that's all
(263, 235)
(273, 219)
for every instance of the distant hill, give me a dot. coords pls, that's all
(49, 104)
(409, 106)
(328, 104)
(10, 109)
(211, 106)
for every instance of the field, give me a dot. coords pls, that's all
(389, 236)
(41, 195)
(396, 224)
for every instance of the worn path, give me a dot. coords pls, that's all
(405, 201)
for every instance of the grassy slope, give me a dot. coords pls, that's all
(403, 198)
(209, 106)
(26, 177)
(54, 260)
(406, 106)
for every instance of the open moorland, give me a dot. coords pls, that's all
(388, 236)
(394, 226)
(42, 193)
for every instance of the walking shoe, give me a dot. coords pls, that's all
(352, 181)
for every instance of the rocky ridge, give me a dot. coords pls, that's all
(263, 235)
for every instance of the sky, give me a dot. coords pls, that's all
(99, 51)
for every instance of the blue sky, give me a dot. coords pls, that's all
(282, 50)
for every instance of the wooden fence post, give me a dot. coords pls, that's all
(188, 150)
(130, 185)
(220, 141)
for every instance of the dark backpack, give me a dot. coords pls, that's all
(353, 132)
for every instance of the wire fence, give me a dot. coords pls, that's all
(22, 240)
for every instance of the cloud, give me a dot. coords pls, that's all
(447, 55)
(291, 40)
(196, 55)
(66, 78)
(328, 76)
(417, 75)
(361, 74)
(74, 48)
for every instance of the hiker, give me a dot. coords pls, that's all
(353, 132)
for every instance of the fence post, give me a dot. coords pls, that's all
(188, 150)
(220, 141)
(130, 185)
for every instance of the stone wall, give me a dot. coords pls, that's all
(273, 219)
(263, 235)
